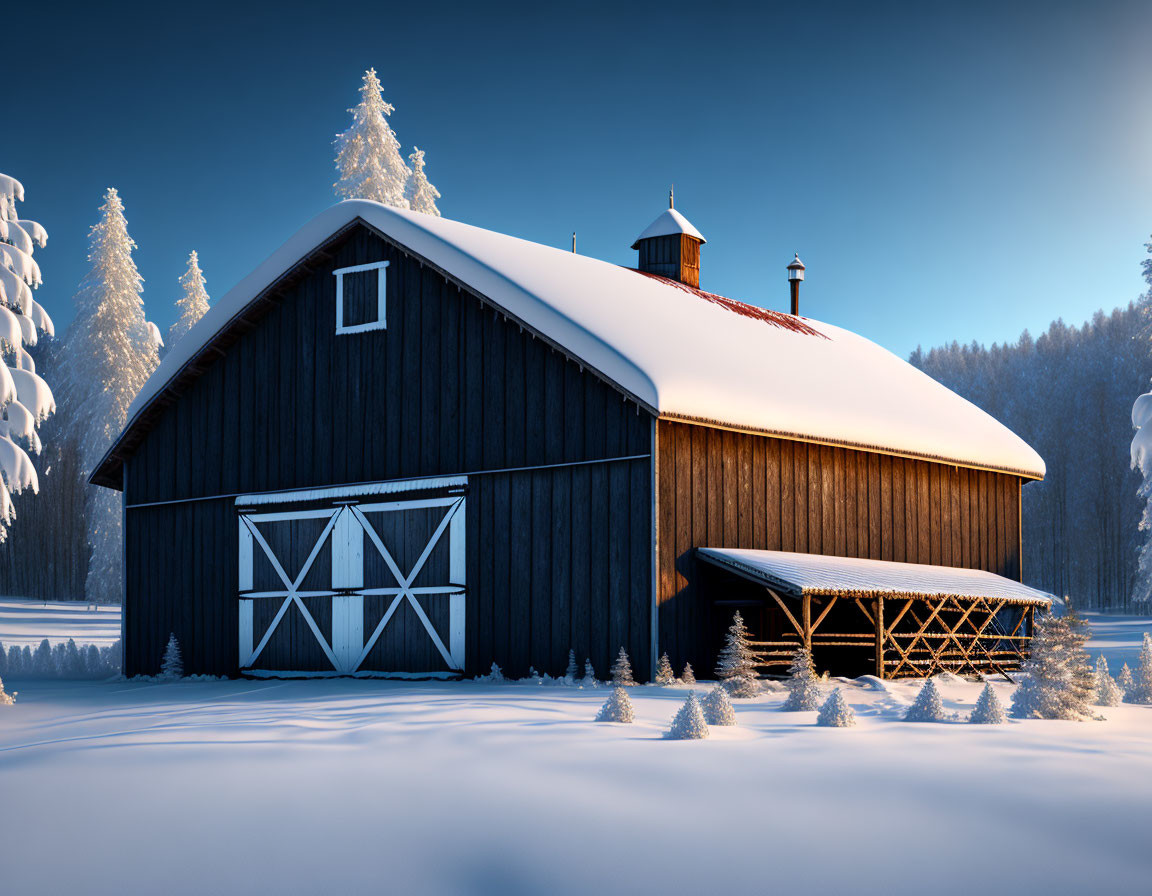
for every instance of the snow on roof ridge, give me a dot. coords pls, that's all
(669, 222)
(677, 355)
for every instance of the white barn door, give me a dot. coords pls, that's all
(359, 586)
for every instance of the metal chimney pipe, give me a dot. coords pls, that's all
(795, 276)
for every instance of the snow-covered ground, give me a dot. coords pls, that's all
(349, 786)
(28, 622)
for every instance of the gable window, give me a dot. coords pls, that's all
(360, 297)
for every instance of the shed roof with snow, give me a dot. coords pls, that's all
(682, 353)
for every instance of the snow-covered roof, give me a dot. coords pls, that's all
(799, 574)
(681, 352)
(670, 222)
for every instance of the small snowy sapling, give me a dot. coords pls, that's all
(570, 672)
(173, 665)
(804, 692)
(736, 666)
(1107, 692)
(688, 723)
(836, 713)
(1141, 688)
(988, 710)
(927, 707)
(6, 699)
(717, 707)
(618, 707)
(193, 302)
(1058, 681)
(622, 671)
(664, 673)
(589, 679)
(1124, 679)
(689, 677)
(495, 675)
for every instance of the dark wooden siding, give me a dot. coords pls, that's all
(724, 489)
(558, 556)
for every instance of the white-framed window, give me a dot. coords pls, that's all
(357, 309)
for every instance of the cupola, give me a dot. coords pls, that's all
(670, 247)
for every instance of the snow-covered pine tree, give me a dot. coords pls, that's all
(73, 662)
(717, 707)
(25, 399)
(1058, 681)
(618, 707)
(804, 691)
(988, 710)
(421, 195)
(688, 723)
(664, 673)
(622, 670)
(41, 664)
(927, 707)
(1124, 679)
(1140, 690)
(173, 664)
(1107, 692)
(571, 672)
(368, 160)
(495, 675)
(689, 677)
(193, 301)
(15, 662)
(589, 679)
(6, 699)
(108, 356)
(93, 667)
(736, 665)
(836, 713)
(3, 660)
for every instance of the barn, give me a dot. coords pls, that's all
(409, 446)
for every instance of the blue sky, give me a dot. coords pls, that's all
(946, 171)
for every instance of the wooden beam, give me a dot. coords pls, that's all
(787, 612)
(820, 618)
(806, 609)
(879, 637)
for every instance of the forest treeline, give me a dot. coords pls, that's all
(1069, 394)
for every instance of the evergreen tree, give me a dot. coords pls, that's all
(688, 723)
(618, 707)
(988, 710)
(927, 707)
(1107, 693)
(6, 699)
(571, 672)
(836, 713)
(109, 357)
(93, 667)
(1058, 681)
(173, 664)
(689, 677)
(368, 160)
(495, 675)
(589, 679)
(664, 673)
(25, 399)
(622, 671)
(736, 665)
(41, 665)
(1141, 689)
(717, 707)
(193, 302)
(804, 691)
(15, 662)
(420, 194)
(1124, 679)
(26, 660)
(73, 663)
(3, 661)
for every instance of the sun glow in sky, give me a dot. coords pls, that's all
(957, 171)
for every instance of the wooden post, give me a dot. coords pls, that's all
(879, 637)
(807, 609)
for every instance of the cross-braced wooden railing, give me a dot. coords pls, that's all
(925, 634)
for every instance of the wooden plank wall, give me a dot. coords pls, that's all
(724, 489)
(450, 387)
